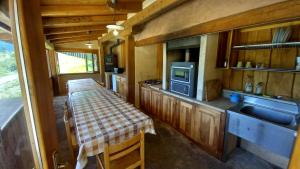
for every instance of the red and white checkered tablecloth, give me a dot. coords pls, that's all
(101, 117)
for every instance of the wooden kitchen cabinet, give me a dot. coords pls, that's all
(156, 103)
(208, 129)
(170, 114)
(121, 85)
(123, 88)
(186, 111)
(145, 98)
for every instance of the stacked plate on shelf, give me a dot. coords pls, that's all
(282, 35)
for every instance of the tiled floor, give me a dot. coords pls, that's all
(169, 150)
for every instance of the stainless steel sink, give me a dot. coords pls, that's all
(269, 115)
(267, 123)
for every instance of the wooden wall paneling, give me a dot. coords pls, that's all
(284, 58)
(185, 117)
(226, 78)
(236, 80)
(33, 44)
(280, 84)
(156, 103)
(295, 33)
(296, 88)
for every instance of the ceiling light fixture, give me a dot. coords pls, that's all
(114, 27)
(89, 44)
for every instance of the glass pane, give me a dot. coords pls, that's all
(95, 63)
(74, 62)
(90, 61)
(9, 82)
(71, 63)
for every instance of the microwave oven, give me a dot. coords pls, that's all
(183, 78)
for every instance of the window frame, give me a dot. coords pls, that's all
(94, 54)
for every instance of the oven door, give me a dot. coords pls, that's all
(180, 88)
(181, 74)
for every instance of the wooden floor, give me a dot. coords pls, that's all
(169, 150)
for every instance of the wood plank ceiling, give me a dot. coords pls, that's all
(68, 21)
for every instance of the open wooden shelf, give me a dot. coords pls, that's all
(268, 70)
(267, 46)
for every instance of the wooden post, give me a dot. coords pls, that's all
(101, 61)
(130, 67)
(37, 77)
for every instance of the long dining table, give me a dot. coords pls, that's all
(100, 117)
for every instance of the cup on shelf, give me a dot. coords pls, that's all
(248, 65)
(260, 66)
(239, 64)
(298, 60)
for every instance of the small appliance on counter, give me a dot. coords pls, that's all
(183, 78)
(118, 70)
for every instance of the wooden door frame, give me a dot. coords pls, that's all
(32, 44)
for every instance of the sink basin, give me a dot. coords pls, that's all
(269, 115)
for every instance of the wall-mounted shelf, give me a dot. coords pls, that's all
(268, 70)
(267, 46)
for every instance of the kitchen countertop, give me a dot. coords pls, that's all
(221, 104)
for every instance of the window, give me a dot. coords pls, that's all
(9, 81)
(75, 62)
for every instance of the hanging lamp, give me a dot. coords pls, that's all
(114, 27)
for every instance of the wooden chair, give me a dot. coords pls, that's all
(72, 142)
(127, 155)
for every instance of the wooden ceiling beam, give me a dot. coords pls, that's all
(72, 35)
(63, 30)
(154, 10)
(75, 39)
(73, 2)
(137, 21)
(129, 6)
(82, 20)
(59, 48)
(76, 10)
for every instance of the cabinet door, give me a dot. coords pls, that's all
(206, 126)
(169, 112)
(156, 103)
(145, 99)
(118, 83)
(186, 110)
(123, 88)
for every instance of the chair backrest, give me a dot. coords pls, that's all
(114, 152)
(69, 134)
